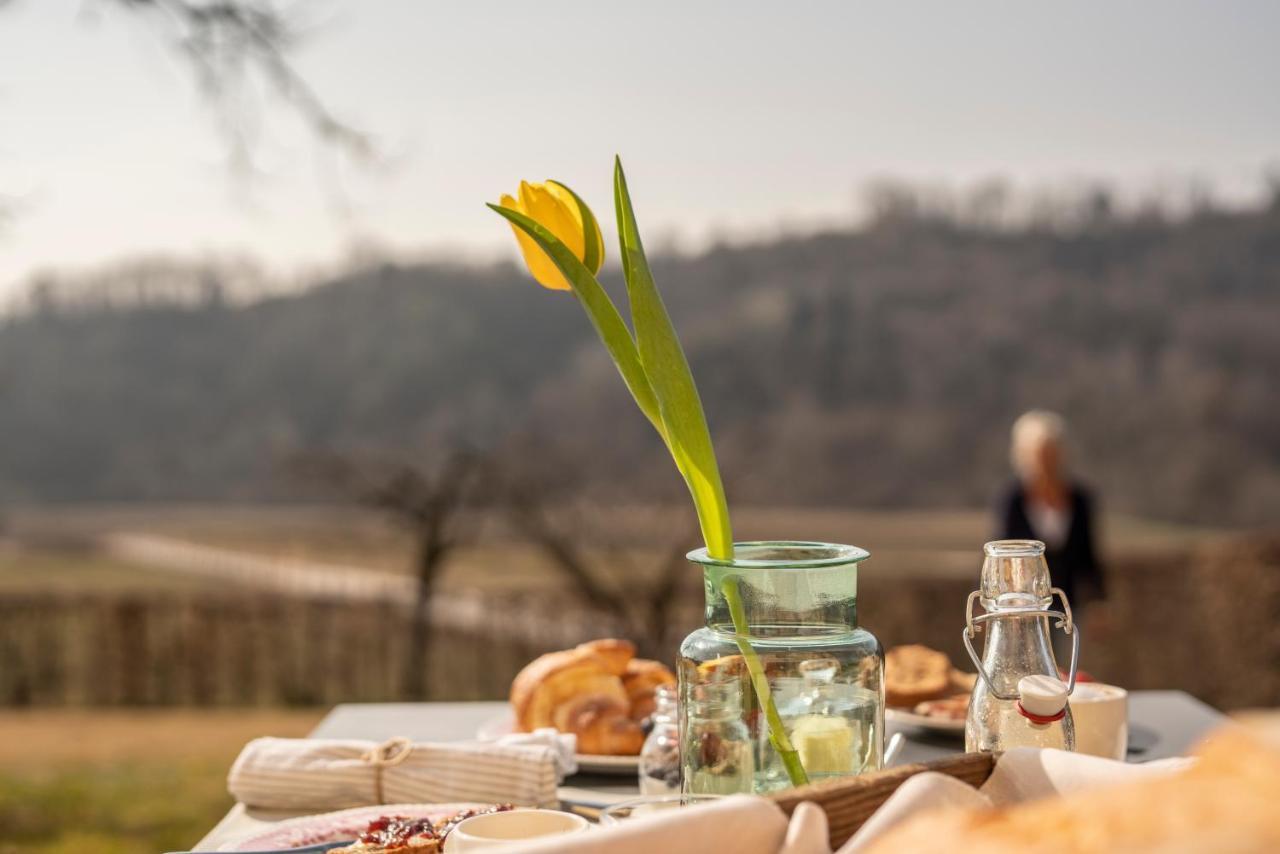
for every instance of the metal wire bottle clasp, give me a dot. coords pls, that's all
(973, 625)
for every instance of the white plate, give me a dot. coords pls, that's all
(904, 717)
(591, 763)
(336, 826)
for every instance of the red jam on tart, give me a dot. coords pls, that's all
(398, 834)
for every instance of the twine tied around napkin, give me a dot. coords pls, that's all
(389, 754)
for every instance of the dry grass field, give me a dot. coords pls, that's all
(56, 570)
(120, 782)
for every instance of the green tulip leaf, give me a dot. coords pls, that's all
(668, 371)
(604, 315)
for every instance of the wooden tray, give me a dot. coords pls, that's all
(848, 803)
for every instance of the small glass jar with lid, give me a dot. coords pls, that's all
(660, 756)
(717, 755)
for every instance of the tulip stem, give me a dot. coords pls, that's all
(760, 683)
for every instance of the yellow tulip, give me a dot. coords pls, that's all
(559, 211)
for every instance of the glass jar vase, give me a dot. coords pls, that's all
(797, 605)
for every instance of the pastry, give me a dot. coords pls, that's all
(961, 681)
(953, 708)
(915, 673)
(397, 834)
(725, 667)
(616, 653)
(640, 680)
(598, 691)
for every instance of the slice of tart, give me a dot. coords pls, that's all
(397, 834)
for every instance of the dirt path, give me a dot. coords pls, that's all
(465, 610)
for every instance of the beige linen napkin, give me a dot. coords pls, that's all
(920, 792)
(1027, 773)
(324, 774)
(742, 824)
(1022, 774)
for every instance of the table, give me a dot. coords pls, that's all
(1162, 724)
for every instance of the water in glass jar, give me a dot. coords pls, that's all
(834, 724)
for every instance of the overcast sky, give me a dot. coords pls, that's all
(730, 116)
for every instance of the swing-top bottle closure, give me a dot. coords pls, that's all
(1042, 699)
(1013, 588)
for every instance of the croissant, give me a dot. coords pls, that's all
(592, 691)
(616, 653)
(641, 679)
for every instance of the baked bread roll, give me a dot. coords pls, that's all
(1226, 802)
(953, 708)
(641, 678)
(964, 682)
(603, 725)
(598, 691)
(725, 667)
(616, 653)
(915, 673)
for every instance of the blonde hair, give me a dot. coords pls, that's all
(1032, 430)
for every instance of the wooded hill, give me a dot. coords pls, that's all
(879, 367)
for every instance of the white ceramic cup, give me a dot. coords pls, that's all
(508, 830)
(1101, 714)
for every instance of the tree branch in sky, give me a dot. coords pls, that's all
(237, 48)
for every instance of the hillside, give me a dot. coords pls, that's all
(872, 368)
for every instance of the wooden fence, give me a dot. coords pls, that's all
(1206, 621)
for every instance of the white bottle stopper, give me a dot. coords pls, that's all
(1042, 696)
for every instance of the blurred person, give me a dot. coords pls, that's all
(1045, 504)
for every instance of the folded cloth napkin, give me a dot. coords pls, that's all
(1022, 774)
(742, 824)
(921, 792)
(330, 774)
(565, 744)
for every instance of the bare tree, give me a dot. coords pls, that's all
(599, 561)
(428, 502)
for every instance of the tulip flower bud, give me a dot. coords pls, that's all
(556, 208)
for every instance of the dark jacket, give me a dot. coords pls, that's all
(1073, 566)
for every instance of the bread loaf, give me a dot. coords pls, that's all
(915, 673)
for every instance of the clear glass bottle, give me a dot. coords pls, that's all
(1018, 699)
(825, 674)
(660, 756)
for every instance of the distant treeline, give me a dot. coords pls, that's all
(878, 367)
